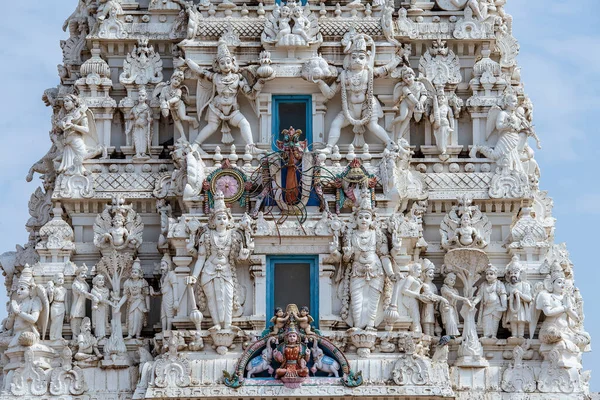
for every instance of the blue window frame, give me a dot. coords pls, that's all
(293, 272)
(291, 110)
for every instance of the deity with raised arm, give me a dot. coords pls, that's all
(430, 298)
(80, 293)
(194, 17)
(520, 297)
(169, 293)
(100, 306)
(57, 296)
(218, 92)
(219, 248)
(173, 96)
(365, 251)
(449, 309)
(140, 126)
(492, 296)
(78, 139)
(410, 97)
(136, 294)
(360, 107)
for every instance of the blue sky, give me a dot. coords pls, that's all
(560, 68)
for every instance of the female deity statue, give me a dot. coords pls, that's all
(557, 332)
(80, 292)
(520, 298)
(168, 291)
(442, 120)
(140, 127)
(449, 309)
(137, 295)
(57, 296)
(79, 139)
(360, 107)
(220, 96)
(172, 101)
(492, 295)
(410, 97)
(429, 298)
(219, 248)
(365, 250)
(292, 355)
(100, 306)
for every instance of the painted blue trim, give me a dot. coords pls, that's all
(313, 261)
(299, 98)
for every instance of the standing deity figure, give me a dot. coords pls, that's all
(292, 355)
(360, 107)
(173, 97)
(492, 296)
(449, 309)
(100, 306)
(365, 250)
(80, 292)
(410, 292)
(557, 332)
(219, 248)
(218, 92)
(519, 294)
(28, 309)
(57, 296)
(512, 134)
(410, 97)
(168, 291)
(137, 295)
(87, 344)
(139, 128)
(430, 298)
(194, 17)
(79, 139)
(442, 120)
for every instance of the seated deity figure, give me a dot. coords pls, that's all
(57, 296)
(492, 296)
(220, 97)
(360, 107)
(557, 332)
(168, 291)
(519, 294)
(87, 344)
(410, 97)
(449, 309)
(26, 310)
(293, 356)
(218, 248)
(137, 295)
(466, 234)
(79, 139)
(365, 250)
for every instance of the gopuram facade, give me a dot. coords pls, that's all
(291, 199)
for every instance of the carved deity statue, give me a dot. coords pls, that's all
(520, 297)
(304, 320)
(100, 306)
(449, 309)
(57, 296)
(168, 291)
(119, 227)
(512, 134)
(79, 139)
(279, 320)
(139, 126)
(80, 293)
(291, 25)
(87, 344)
(360, 107)
(410, 295)
(219, 248)
(29, 309)
(430, 298)
(137, 296)
(218, 91)
(194, 16)
(365, 251)
(465, 226)
(410, 97)
(479, 8)
(442, 121)
(292, 355)
(173, 97)
(492, 296)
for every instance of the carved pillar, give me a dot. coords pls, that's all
(326, 293)
(319, 110)
(258, 272)
(265, 118)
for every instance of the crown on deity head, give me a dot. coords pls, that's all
(222, 50)
(26, 276)
(359, 44)
(219, 203)
(556, 272)
(365, 203)
(515, 266)
(292, 329)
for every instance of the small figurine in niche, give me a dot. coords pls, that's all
(139, 128)
(80, 292)
(57, 296)
(520, 299)
(118, 234)
(410, 97)
(87, 345)
(442, 120)
(279, 320)
(492, 295)
(304, 320)
(449, 309)
(466, 233)
(172, 96)
(292, 355)
(168, 291)
(100, 306)
(137, 295)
